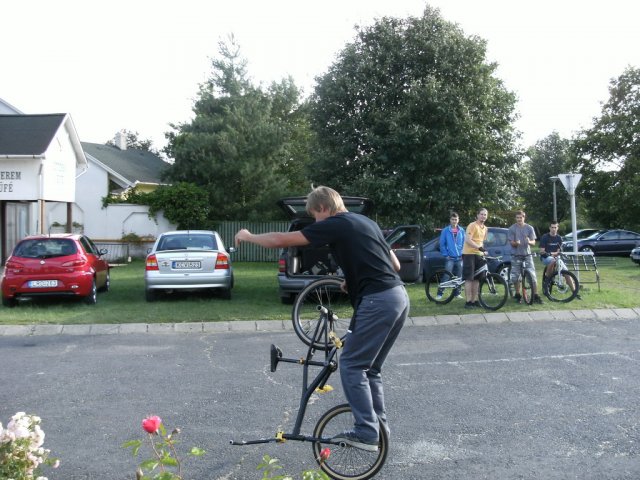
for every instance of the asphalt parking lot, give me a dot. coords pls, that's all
(467, 399)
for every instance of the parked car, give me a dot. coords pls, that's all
(62, 264)
(496, 244)
(186, 260)
(299, 266)
(609, 242)
(584, 233)
(635, 255)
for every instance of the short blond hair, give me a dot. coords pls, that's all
(324, 197)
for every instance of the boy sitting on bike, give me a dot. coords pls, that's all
(550, 248)
(522, 236)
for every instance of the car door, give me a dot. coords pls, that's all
(608, 242)
(406, 243)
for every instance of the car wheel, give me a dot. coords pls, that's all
(92, 298)
(107, 283)
(150, 295)
(8, 302)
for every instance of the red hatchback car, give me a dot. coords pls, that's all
(53, 265)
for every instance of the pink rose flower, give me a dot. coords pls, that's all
(151, 424)
(324, 454)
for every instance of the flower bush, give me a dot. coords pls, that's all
(164, 463)
(21, 451)
(270, 466)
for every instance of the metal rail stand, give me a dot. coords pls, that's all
(584, 262)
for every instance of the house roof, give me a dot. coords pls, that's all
(135, 166)
(28, 134)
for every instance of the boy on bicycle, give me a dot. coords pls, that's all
(378, 296)
(522, 236)
(550, 248)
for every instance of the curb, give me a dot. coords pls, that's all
(605, 314)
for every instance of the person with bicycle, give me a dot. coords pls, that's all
(378, 295)
(522, 236)
(451, 245)
(473, 257)
(550, 248)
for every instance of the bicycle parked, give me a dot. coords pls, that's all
(563, 286)
(492, 294)
(321, 316)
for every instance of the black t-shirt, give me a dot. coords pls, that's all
(551, 243)
(359, 248)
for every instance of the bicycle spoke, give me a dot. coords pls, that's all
(561, 287)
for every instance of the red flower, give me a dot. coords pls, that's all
(324, 454)
(151, 424)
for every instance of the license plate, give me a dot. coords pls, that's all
(43, 283)
(186, 265)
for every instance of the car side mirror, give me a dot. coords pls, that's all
(103, 251)
(231, 250)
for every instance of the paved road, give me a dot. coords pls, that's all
(468, 399)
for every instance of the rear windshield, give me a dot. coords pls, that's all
(45, 248)
(188, 242)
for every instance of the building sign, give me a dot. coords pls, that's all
(7, 179)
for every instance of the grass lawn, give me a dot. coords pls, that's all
(255, 297)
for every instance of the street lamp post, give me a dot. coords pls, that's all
(555, 208)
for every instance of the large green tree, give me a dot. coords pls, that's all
(243, 143)
(549, 157)
(412, 115)
(609, 156)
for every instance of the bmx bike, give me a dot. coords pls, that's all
(492, 293)
(321, 319)
(563, 286)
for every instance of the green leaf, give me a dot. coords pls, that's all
(197, 452)
(150, 464)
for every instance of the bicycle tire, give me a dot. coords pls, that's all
(557, 288)
(346, 463)
(306, 314)
(526, 287)
(433, 285)
(493, 292)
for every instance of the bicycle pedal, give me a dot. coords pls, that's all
(325, 389)
(280, 437)
(335, 339)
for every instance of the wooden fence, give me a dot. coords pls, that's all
(247, 251)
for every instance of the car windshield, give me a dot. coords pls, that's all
(187, 242)
(45, 248)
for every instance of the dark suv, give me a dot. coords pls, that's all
(299, 266)
(496, 244)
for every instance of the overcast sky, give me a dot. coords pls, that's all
(137, 64)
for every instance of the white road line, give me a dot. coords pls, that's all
(520, 359)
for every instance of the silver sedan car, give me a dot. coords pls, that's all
(188, 260)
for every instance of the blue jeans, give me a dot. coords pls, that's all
(453, 265)
(378, 320)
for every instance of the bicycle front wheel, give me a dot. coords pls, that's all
(433, 287)
(493, 292)
(527, 287)
(320, 298)
(562, 288)
(346, 463)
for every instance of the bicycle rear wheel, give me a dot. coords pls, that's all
(558, 288)
(432, 287)
(346, 463)
(493, 292)
(318, 299)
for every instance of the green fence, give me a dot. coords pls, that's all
(247, 251)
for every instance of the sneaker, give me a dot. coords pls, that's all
(469, 305)
(537, 299)
(350, 438)
(439, 296)
(518, 298)
(458, 295)
(477, 304)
